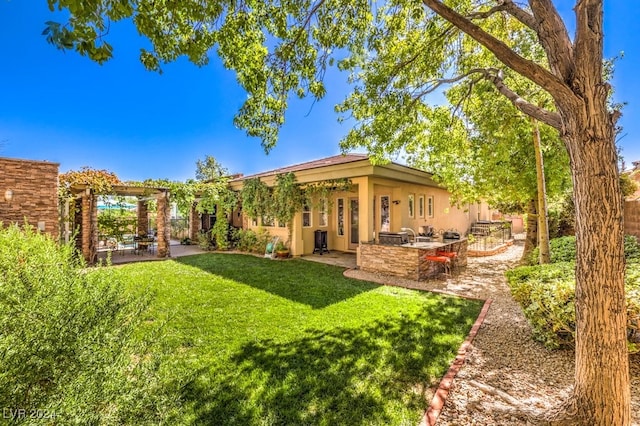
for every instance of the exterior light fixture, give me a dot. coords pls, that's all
(8, 195)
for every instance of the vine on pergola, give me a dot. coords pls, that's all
(205, 195)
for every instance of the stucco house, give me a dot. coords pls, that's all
(383, 198)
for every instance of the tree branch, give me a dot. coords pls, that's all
(554, 38)
(520, 14)
(495, 76)
(553, 119)
(509, 7)
(529, 69)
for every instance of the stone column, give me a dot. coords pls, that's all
(164, 225)
(194, 224)
(89, 227)
(143, 218)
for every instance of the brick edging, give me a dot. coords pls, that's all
(430, 416)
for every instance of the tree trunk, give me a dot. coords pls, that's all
(543, 221)
(531, 240)
(602, 389)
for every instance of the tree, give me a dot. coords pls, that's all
(209, 169)
(400, 52)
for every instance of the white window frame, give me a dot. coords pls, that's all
(306, 211)
(340, 217)
(268, 222)
(421, 206)
(430, 206)
(411, 204)
(323, 215)
(385, 227)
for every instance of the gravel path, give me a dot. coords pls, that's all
(503, 354)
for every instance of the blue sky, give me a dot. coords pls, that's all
(64, 108)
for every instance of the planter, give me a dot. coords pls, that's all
(282, 254)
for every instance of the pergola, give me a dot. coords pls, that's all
(85, 217)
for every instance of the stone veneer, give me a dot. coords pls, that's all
(406, 262)
(89, 227)
(194, 224)
(35, 193)
(163, 222)
(143, 217)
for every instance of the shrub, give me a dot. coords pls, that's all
(66, 338)
(563, 249)
(631, 249)
(547, 296)
(246, 239)
(251, 241)
(204, 240)
(220, 234)
(264, 238)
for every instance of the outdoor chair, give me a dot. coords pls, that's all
(451, 255)
(127, 243)
(443, 260)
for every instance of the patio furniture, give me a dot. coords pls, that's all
(145, 244)
(127, 243)
(320, 241)
(443, 260)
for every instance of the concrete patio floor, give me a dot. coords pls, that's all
(337, 258)
(128, 256)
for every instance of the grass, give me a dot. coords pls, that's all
(255, 341)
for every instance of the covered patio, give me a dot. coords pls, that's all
(82, 213)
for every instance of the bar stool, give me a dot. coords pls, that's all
(451, 255)
(444, 260)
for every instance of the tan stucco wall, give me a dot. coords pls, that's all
(445, 214)
(369, 184)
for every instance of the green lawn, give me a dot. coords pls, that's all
(256, 341)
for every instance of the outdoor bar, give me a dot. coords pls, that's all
(409, 260)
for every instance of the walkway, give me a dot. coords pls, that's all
(503, 354)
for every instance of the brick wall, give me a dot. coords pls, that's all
(405, 262)
(632, 218)
(35, 193)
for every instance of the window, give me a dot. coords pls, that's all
(254, 221)
(322, 214)
(421, 206)
(306, 216)
(385, 214)
(267, 221)
(430, 206)
(412, 212)
(340, 216)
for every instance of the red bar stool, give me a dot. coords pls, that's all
(444, 260)
(451, 255)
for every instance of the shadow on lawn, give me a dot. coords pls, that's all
(377, 374)
(313, 284)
